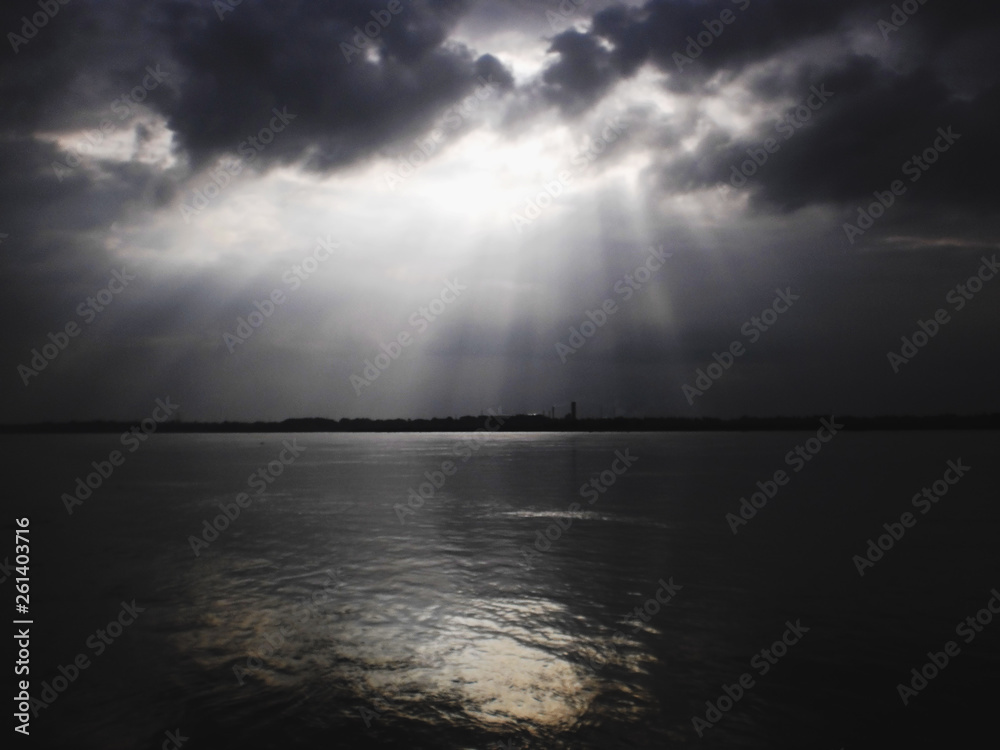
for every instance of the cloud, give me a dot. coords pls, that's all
(891, 94)
(859, 141)
(687, 127)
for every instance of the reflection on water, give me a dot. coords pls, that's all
(437, 652)
(319, 618)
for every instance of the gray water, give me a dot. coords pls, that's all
(460, 625)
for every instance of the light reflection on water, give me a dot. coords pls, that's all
(504, 664)
(441, 632)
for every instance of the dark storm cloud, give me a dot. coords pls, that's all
(584, 71)
(760, 29)
(225, 75)
(71, 70)
(870, 138)
(859, 140)
(658, 30)
(346, 104)
(876, 121)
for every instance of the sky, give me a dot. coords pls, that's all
(417, 208)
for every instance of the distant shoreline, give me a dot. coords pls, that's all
(527, 423)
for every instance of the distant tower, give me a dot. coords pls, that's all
(572, 410)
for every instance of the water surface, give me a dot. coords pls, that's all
(325, 615)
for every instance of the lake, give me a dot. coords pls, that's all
(543, 590)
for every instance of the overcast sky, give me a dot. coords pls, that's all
(476, 180)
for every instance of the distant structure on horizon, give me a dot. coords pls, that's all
(551, 413)
(572, 411)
